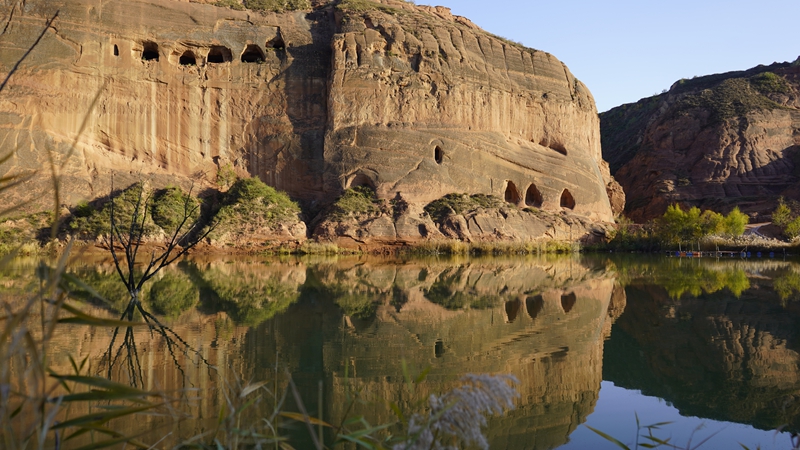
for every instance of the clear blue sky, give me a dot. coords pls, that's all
(624, 50)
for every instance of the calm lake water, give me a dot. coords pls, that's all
(711, 345)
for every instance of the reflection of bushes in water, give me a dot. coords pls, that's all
(441, 293)
(173, 294)
(358, 305)
(107, 285)
(250, 298)
(698, 280)
(359, 301)
(787, 286)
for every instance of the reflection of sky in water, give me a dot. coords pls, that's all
(614, 415)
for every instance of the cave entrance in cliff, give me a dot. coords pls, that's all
(188, 59)
(438, 154)
(116, 50)
(149, 51)
(512, 309)
(219, 55)
(568, 302)
(512, 194)
(361, 180)
(253, 54)
(533, 197)
(276, 44)
(534, 306)
(567, 200)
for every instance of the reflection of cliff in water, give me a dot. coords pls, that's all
(353, 321)
(543, 321)
(712, 354)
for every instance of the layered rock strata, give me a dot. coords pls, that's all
(714, 142)
(406, 99)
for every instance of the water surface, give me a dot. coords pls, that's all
(591, 339)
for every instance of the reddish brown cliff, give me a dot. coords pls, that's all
(406, 99)
(715, 142)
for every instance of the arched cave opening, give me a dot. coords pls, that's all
(512, 309)
(219, 55)
(534, 305)
(512, 194)
(438, 154)
(116, 50)
(188, 59)
(567, 200)
(253, 54)
(276, 43)
(568, 302)
(361, 180)
(149, 51)
(533, 197)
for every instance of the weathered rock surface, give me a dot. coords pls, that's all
(410, 224)
(403, 98)
(715, 142)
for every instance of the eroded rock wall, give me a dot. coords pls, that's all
(714, 142)
(441, 106)
(135, 85)
(404, 98)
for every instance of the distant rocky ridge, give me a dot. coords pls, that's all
(409, 100)
(716, 142)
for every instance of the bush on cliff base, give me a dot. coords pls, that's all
(250, 204)
(277, 5)
(461, 203)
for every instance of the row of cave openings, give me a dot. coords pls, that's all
(217, 54)
(533, 197)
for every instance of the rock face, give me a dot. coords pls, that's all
(714, 142)
(403, 98)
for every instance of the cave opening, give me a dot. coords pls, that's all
(116, 50)
(533, 197)
(253, 54)
(276, 43)
(188, 59)
(149, 51)
(512, 194)
(568, 302)
(567, 200)
(219, 55)
(438, 155)
(362, 180)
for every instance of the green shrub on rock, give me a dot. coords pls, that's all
(169, 208)
(277, 5)
(250, 204)
(96, 222)
(359, 200)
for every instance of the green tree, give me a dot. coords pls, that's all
(782, 214)
(792, 229)
(734, 222)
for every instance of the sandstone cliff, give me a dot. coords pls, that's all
(409, 100)
(715, 142)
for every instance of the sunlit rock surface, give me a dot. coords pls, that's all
(406, 99)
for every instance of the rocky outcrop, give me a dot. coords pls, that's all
(714, 142)
(403, 98)
(403, 223)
